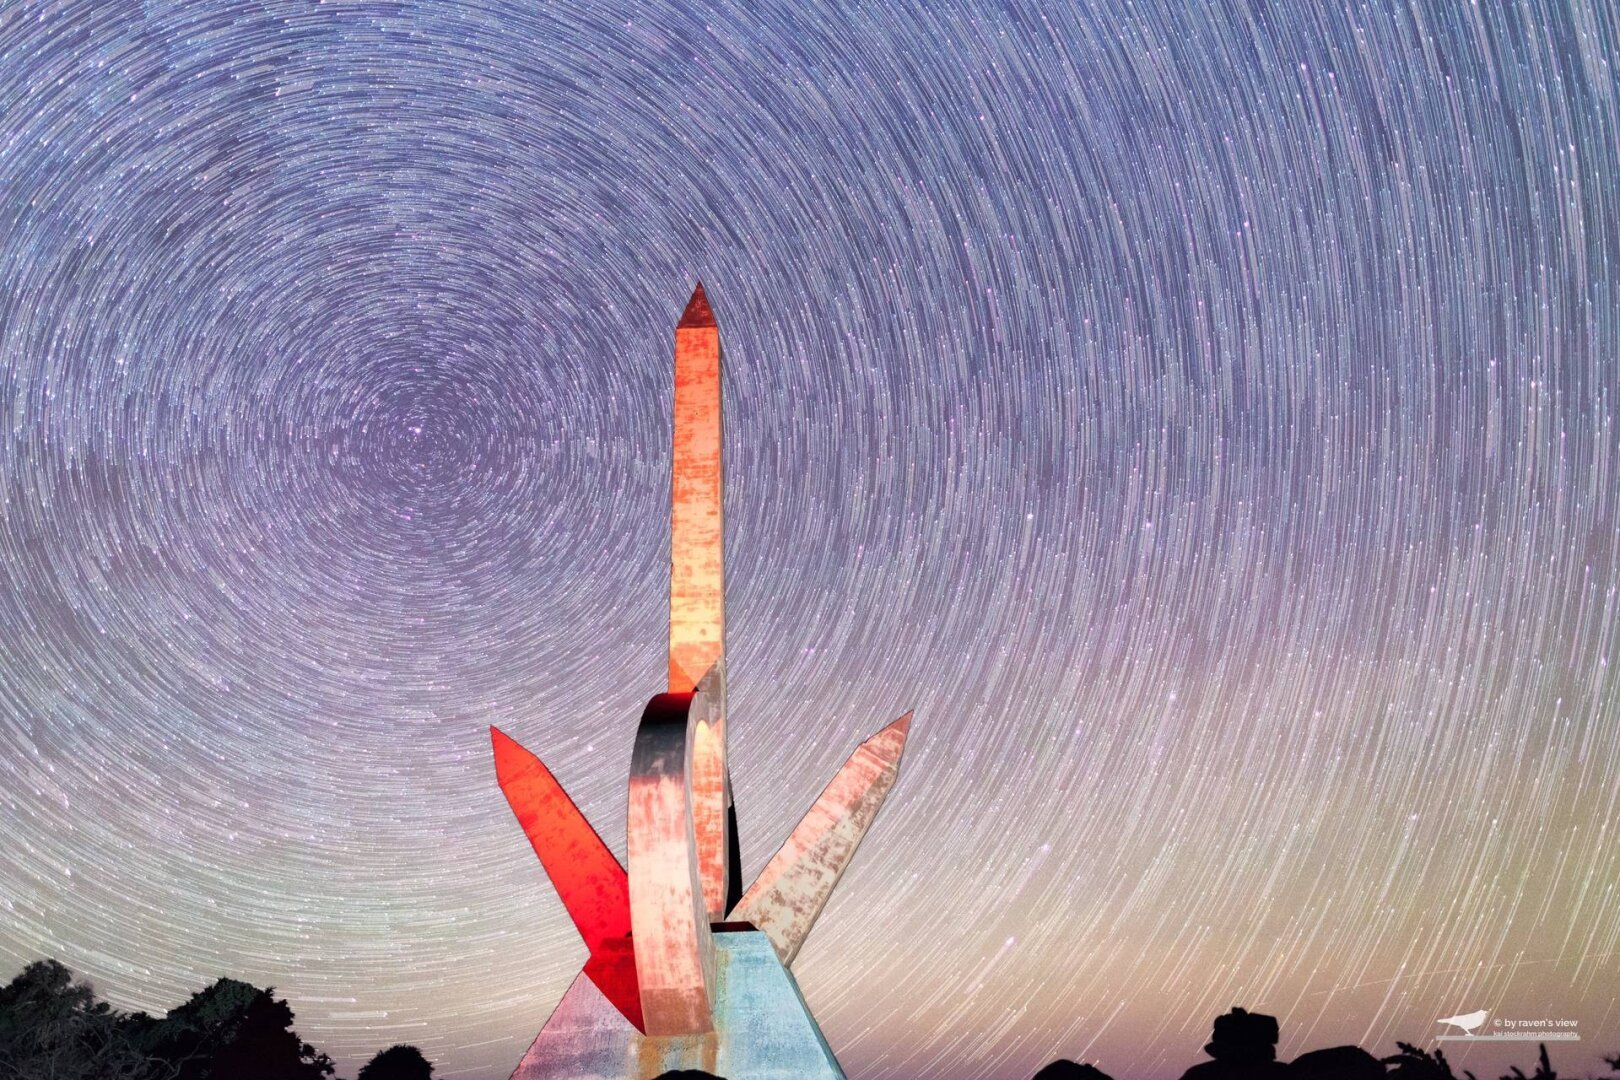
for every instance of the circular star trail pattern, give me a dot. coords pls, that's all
(1203, 417)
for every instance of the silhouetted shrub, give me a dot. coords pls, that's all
(231, 1031)
(1336, 1063)
(1544, 1069)
(399, 1062)
(1064, 1069)
(1244, 1046)
(1414, 1064)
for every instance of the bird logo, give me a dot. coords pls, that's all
(1467, 1021)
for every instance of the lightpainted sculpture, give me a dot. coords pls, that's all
(687, 970)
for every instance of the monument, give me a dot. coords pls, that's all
(686, 969)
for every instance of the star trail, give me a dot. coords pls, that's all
(1203, 417)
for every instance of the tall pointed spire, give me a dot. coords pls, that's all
(697, 615)
(697, 584)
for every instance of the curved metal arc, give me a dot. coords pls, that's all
(711, 790)
(674, 954)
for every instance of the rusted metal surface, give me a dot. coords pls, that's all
(697, 619)
(762, 1029)
(674, 956)
(588, 878)
(790, 892)
(697, 613)
(711, 793)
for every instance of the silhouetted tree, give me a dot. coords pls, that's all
(1544, 1069)
(52, 1028)
(265, 1047)
(1414, 1064)
(232, 1031)
(397, 1063)
(1336, 1063)
(1244, 1046)
(1064, 1069)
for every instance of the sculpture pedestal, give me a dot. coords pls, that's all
(762, 1029)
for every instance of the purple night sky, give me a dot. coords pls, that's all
(1203, 416)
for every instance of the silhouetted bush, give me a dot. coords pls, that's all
(1336, 1063)
(232, 1031)
(1064, 1069)
(1244, 1046)
(1544, 1069)
(399, 1062)
(1414, 1064)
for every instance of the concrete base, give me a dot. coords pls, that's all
(763, 1030)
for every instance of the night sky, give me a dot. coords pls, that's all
(1205, 418)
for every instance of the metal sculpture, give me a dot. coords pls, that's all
(687, 970)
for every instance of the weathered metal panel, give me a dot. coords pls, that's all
(790, 892)
(697, 613)
(697, 620)
(670, 928)
(763, 1029)
(588, 878)
(711, 792)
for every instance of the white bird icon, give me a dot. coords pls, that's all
(1468, 1021)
